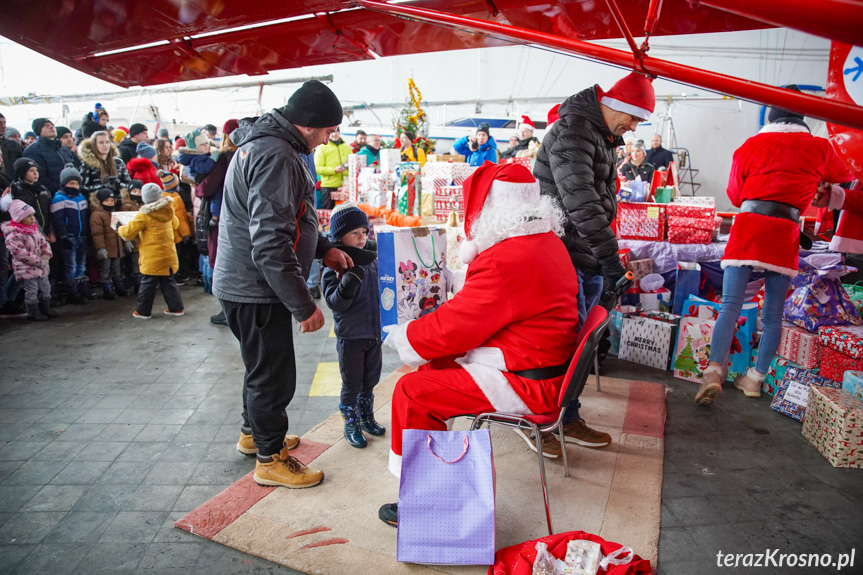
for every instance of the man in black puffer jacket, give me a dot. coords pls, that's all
(577, 165)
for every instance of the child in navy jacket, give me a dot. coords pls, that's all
(70, 213)
(355, 302)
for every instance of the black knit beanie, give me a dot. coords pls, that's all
(484, 127)
(136, 129)
(22, 166)
(62, 131)
(313, 106)
(345, 218)
(38, 124)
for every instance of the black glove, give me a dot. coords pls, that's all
(351, 281)
(612, 270)
(67, 243)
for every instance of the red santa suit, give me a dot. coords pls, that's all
(144, 170)
(848, 238)
(782, 163)
(516, 311)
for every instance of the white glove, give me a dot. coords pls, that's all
(397, 339)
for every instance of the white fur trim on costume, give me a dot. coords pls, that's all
(395, 464)
(783, 128)
(620, 106)
(495, 387)
(490, 356)
(457, 281)
(756, 264)
(397, 339)
(837, 197)
(846, 245)
(468, 251)
(5, 202)
(503, 195)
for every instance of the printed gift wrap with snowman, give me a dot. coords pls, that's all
(412, 272)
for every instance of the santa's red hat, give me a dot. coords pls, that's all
(633, 94)
(526, 121)
(496, 186)
(553, 116)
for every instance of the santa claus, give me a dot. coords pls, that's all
(848, 237)
(504, 341)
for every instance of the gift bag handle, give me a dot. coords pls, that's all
(463, 453)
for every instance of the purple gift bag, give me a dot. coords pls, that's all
(446, 498)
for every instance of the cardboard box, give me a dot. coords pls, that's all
(792, 392)
(834, 425)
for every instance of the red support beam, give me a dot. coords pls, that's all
(834, 19)
(621, 23)
(652, 17)
(827, 110)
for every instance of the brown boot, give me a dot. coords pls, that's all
(579, 433)
(750, 382)
(246, 444)
(550, 445)
(288, 472)
(711, 385)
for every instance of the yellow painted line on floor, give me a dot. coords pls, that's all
(327, 381)
(333, 330)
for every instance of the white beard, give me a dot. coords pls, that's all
(495, 224)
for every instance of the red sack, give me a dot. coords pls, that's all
(518, 559)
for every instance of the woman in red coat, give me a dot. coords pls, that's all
(774, 177)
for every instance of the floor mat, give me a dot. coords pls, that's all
(334, 528)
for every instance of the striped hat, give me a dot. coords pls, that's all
(169, 180)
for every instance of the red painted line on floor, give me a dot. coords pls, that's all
(308, 532)
(645, 409)
(208, 519)
(324, 543)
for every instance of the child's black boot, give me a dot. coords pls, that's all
(108, 291)
(353, 433)
(367, 416)
(34, 314)
(45, 307)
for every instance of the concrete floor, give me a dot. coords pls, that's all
(112, 428)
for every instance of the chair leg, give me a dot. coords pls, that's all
(596, 369)
(538, 438)
(562, 440)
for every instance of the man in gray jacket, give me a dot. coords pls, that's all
(268, 237)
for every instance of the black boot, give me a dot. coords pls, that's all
(120, 288)
(353, 433)
(108, 291)
(219, 319)
(72, 294)
(367, 416)
(45, 307)
(83, 285)
(33, 312)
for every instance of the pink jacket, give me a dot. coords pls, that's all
(29, 249)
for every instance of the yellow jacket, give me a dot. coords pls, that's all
(408, 155)
(328, 157)
(180, 211)
(155, 226)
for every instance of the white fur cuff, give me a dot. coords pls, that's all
(837, 197)
(397, 339)
(395, 464)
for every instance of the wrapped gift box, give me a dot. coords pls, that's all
(792, 391)
(455, 172)
(852, 382)
(448, 199)
(801, 346)
(339, 196)
(324, 217)
(656, 301)
(689, 236)
(775, 373)
(704, 201)
(641, 221)
(640, 268)
(122, 218)
(834, 364)
(680, 209)
(623, 254)
(356, 163)
(523, 161)
(645, 341)
(847, 340)
(389, 159)
(834, 425)
(697, 223)
(445, 158)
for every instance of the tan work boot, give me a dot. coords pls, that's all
(550, 445)
(246, 444)
(711, 385)
(287, 472)
(579, 433)
(750, 382)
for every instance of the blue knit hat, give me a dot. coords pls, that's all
(345, 218)
(145, 150)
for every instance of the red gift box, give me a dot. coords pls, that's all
(691, 211)
(834, 364)
(800, 346)
(640, 268)
(523, 161)
(689, 236)
(689, 222)
(624, 257)
(448, 199)
(641, 221)
(324, 217)
(847, 340)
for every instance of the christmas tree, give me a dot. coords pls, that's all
(685, 361)
(412, 119)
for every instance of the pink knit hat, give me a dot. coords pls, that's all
(20, 210)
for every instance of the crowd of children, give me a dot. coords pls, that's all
(58, 244)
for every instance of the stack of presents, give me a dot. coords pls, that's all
(816, 376)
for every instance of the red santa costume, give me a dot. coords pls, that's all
(516, 311)
(848, 238)
(782, 163)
